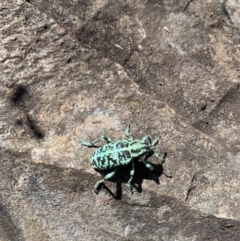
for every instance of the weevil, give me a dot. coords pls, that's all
(113, 154)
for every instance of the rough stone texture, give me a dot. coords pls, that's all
(72, 69)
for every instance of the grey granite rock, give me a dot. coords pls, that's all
(72, 69)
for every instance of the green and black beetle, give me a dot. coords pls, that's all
(121, 152)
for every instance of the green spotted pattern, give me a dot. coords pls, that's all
(110, 156)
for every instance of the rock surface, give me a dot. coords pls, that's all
(72, 69)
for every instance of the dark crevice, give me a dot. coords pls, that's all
(31, 123)
(186, 6)
(204, 107)
(225, 12)
(191, 187)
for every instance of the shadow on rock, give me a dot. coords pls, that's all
(19, 93)
(21, 99)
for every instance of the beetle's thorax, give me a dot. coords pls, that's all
(138, 148)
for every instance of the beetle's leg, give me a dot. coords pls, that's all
(85, 143)
(108, 176)
(146, 138)
(129, 183)
(128, 133)
(92, 144)
(107, 139)
(147, 164)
